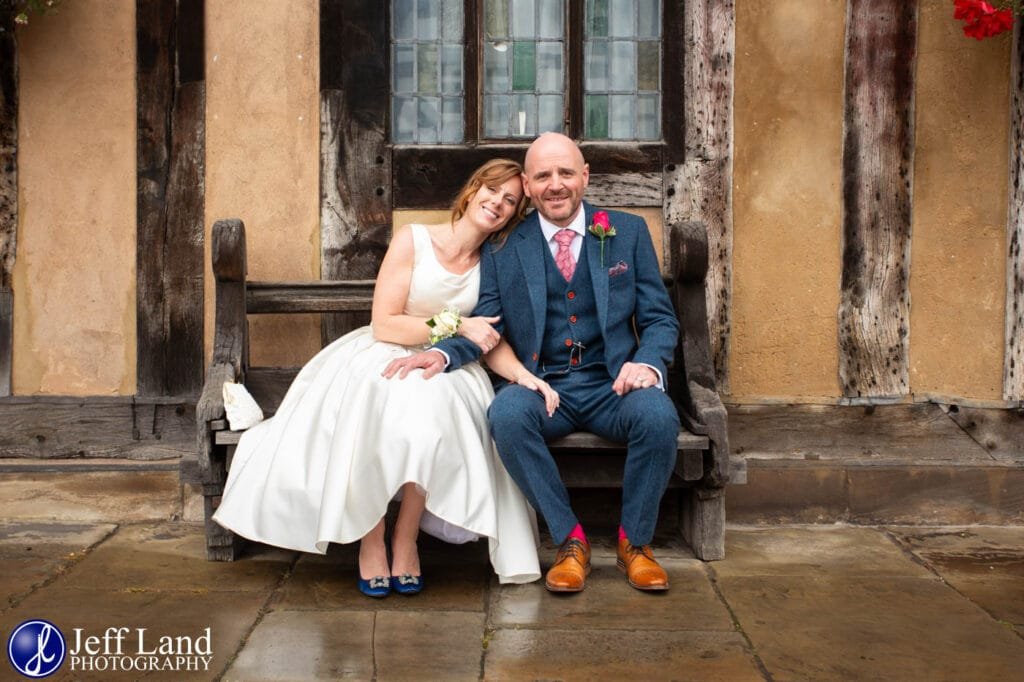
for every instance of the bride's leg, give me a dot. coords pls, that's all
(373, 554)
(405, 557)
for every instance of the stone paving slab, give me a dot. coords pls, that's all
(814, 550)
(308, 645)
(827, 627)
(609, 603)
(618, 655)
(229, 615)
(983, 563)
(115, 496)
(419, 645)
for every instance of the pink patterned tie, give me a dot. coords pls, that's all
(564, 258)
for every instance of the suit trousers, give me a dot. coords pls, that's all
(644, 419)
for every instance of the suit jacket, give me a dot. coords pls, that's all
(627, 289)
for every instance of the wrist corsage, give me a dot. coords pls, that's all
(445, 324)
(602, 229)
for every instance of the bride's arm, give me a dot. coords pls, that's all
(391, 292)
(504, 362)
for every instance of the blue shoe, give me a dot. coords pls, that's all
(407, 584)
(377, 587)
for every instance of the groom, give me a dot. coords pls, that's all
(591, 317)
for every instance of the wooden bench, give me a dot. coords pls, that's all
(703, 467)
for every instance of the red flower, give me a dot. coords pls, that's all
(981, 19)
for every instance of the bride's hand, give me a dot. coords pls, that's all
(480, 330)
(550, 395)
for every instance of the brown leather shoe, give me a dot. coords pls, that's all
(572, 565)
(642, 571)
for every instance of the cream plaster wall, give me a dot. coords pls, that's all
(74, 275)
(262, 153)
(958, 268)
(786, 194)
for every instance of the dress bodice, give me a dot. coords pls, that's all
(432, 287)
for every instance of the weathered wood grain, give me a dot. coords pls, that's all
(126, 427)
(698, 179)
(310, 297)
(878, 166)
(1013, 364)
(170, 198)
(626, 189)
(355, 157)
(8, 189)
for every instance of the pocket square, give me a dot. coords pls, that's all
(617, 269)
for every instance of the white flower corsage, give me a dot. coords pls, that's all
(445, 324)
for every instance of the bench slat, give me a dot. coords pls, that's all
(309, 297)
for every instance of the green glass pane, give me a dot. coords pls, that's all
(524, 66)
(648, 65)
(596, 117)
(648, 18)
(496, 18)
(426, 68)
(597, 18)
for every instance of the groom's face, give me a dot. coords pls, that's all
(554, 177)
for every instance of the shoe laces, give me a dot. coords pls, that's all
(573, 548)
(633, 551)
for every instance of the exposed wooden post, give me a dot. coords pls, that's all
(698, 181)
(878, 166)
(355, 160)
(1013, 364)
(171, 168)
(8, 188)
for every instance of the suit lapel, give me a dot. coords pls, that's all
(530, 248)
(598, 270)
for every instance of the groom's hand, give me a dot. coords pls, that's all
(432, 362)
(633, 376)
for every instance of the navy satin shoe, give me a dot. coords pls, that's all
(407, 584)
(377, 587)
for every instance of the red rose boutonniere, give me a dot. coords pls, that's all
(601, 229)
(983, 19)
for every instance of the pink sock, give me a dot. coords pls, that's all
(578, 533)
(622, 534)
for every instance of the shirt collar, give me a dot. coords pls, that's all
(578, 225)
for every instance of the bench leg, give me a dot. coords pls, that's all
(221, 544)
(702, 522)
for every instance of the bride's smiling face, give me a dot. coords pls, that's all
(493, 206)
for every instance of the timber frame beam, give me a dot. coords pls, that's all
(8, 187)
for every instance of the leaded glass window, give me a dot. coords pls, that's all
(426, 71)
(465, 71)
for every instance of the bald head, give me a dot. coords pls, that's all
(555, 176)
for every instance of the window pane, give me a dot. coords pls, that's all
(403, 67)
(620, 117)
(648, 117)
(426, 68)
(452, 21)
(550, 76)
(403, 19)
(550, 19)
(496, 115)
(621, 16)
(597, 18)
(403, 119)
(428, 17)
(550, 114)
(496, 71)
(524, 116)
(523, 25)
(429, 122)
(596, 57)
(596, 117)
(648, 18)
(648, 65)
(622, 66)
(524, 66)
(451, 69)
(451, 120)
(496, 18)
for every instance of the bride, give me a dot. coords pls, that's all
(346, 440)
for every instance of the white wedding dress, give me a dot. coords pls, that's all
(345, 440)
